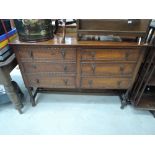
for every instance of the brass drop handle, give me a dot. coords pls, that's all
(65, 68)
(122, 68)
(93, 67)
(126, 56)
(93, 54)
(63, 53)
(66, 81)
(119, 83)
(30, 53)
(37, 81)
(90, 82)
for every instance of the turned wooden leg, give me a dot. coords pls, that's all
(13, 96)
(32, 98)
(20, 111)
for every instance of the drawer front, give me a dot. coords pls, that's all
(51, 82)
(49, 67)
(105, 83)
(107, 69)
(110, 54)
(47, 53)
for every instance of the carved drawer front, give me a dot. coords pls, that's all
(110, 54)
(49, 67)
(107, 68)
(47, 53)
(105, 83)
(51, 82)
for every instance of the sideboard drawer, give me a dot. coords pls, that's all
(51, 82)
(110, 54)
(105, 83)
(48, 67)
(107, 68)
(47, 53)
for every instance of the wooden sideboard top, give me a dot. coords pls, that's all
(71, 40)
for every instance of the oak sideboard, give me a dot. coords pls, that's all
(78, 65)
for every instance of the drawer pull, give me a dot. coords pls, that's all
(119, 83)
(126, 56)
(93, 54)
(63, 53)
(121, 68)
(65, 68)
(30, 53)
(66, 81)
(37, 81)
(93, 67)
(90, 83)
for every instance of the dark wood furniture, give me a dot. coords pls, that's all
(74, 65)
(141, 95)
(13, 91)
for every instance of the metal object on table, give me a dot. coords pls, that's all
(32, 30)
(11, 87)
(64, 30)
